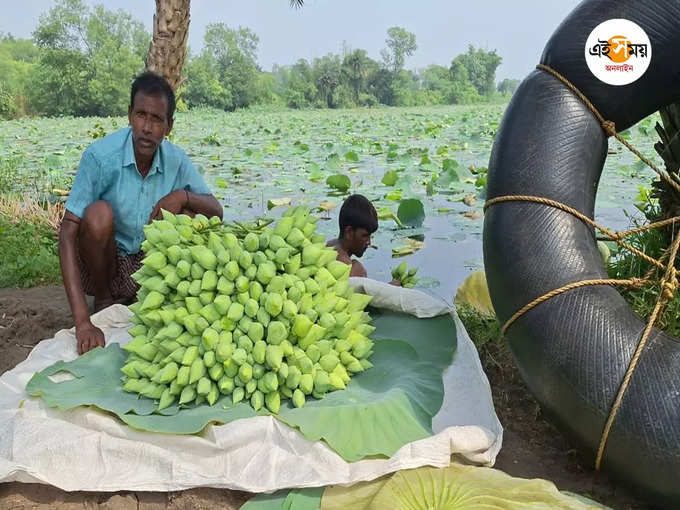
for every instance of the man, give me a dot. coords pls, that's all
(358, 220)
(122, 183)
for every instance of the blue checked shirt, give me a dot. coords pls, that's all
(108, 171)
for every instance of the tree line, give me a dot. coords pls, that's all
(81, 60)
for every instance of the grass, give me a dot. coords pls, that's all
(482, 329)
(623, 264)
(28, 242)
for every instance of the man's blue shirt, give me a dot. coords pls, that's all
(108, 171)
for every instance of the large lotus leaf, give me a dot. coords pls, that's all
(295, 499)
(474, 291)
(454, 487)
(97, 382)
(382, 409)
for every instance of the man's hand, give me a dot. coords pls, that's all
(396, 283)
(173, 202)
(88, 336)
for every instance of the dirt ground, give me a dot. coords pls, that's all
(532, 448)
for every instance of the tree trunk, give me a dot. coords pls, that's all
(168, 47)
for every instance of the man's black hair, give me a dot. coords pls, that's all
(153, 84)
(358, 212)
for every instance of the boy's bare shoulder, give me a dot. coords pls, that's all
(358, 269)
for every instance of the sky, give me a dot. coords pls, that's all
(517, 30)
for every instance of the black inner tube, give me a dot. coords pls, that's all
(574, 349)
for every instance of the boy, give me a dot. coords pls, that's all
(358, 220)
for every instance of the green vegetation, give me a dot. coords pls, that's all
(481, 328)
(82, 59)
(28, 254)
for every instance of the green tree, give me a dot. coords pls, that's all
(462, 89)
(225, 74)
(18, 58)
(481, 67)
(400, 44)
(88, 57)
(327, 71)
(508, 86)
(355, 68)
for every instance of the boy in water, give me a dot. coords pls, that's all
(358, 221)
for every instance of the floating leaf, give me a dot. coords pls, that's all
(339, 181)
(411, 212)
(326, 206)
(473, 215)
(220, 183)
(390, 178)
(278, 202)
(408, 247)
(470, 200)
(352, 157)
(394, 195)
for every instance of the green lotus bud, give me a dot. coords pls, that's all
(306, 383)
(251, 242)
(195, 287)
(147, 351)
(311, 254)
(231, 270)
(155, 260)
(276, 332)
(311, 286)
(321, 382)
(238, 356)
(265, 272)
(283, 227)
(183, 375)
(213, 394)
(225, 385)
(306, 365)
(250, 387)
(298, 398)
(203, 386)
(209, 359)
(224, 351)
(293, 378)
(174, 254)
(273, 401)
(286, 347)
(256, 332)
(273, 357)
(209, 280)
(324, 346)
(197, 271)
(259, 258)
(242, 284)
(209, 313)
(245, 260)
(365, 329)
(257, 400)
(358, 302)
(152, 301)
(203, 256)
(328, 362)
(276, 242)
(327, 321)
(225, 286)
(169, 372)
(230, 367)
(289, 309)
(273, 305)
(301, 325)
(314, 334)
(193, 304)
(188, 394)
(235, 312)
(335, 382)
(206, 297)
(295, 237)
(223, 256)
(197, 370)
(313, 353)
(237, 395)
(245, 372)
(229, 240)
(270, 382)
(153, 390)
(251, 307)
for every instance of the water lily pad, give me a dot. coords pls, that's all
(339, 181)
(390, 178)
(278, 202)
(411, 212)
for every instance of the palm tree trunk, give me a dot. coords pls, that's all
(168, 48)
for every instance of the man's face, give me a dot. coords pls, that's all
(358, 239)
(148, 116)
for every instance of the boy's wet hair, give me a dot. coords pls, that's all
(358, 212)
(154, 85)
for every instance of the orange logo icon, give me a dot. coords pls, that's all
(619, 49)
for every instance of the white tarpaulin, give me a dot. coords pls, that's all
(86, 449)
